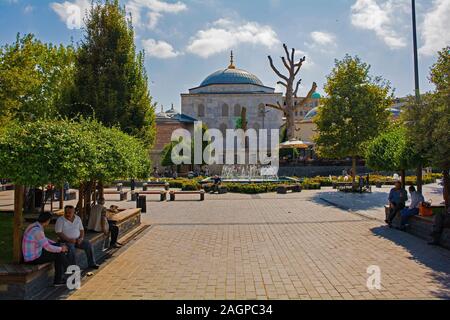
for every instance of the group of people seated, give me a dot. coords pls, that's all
(397, 205)
(38, 249)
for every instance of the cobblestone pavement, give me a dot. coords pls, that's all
(268, 247)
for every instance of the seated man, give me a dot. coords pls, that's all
(216, 184)
(440, 222)
(413, 210)
(37, 249)
(397, 199)
(98, 222)
(70, 230)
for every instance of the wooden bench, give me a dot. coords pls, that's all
(285, 188)
(161, 193)
(200, 192)
(149, 185)
(122, 194)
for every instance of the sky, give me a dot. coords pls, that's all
(186, 40)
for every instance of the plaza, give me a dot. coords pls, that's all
(295, 246)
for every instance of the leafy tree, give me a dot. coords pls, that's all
(429, 122)
(33, 76)
(391, 151)
(354, 112)
(110, 81)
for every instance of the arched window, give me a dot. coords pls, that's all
(237, 110)
(201, 110)
(225, 110)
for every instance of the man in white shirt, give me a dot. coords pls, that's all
(70, 230)
(413, 209)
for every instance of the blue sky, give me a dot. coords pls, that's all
(186, 40)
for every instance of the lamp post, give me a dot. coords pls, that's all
(416, 78)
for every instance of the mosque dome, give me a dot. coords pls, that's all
(231, 75)
(316, 95)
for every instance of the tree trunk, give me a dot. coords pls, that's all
(80, 205)
(403, 174)
(290, 124)
(17, 224)
(446, 192)
(61, 198)
(419, 179)
(101, 190)
(354, 170)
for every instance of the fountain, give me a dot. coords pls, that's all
(251, 174)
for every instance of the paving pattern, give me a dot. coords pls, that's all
(293, 246)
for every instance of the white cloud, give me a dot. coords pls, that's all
(72, 12)
(28, 9)
(159, 49)
(225, 34)
(323, 38)
(383, 17)
(436, 28)
(153, 9)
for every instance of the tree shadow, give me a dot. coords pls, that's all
(352, 201)
(435, 258)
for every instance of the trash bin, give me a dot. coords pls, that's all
(141, 203)
(134, 196)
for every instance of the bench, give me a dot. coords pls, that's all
(122, 194)
(161, 193)
(285, 188)
(27, 281)
(149, 185)
(422, 227)
(200, 192)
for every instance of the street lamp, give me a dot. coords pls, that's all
(416, 77)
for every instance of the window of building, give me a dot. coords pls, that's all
(225, 110)
(201, 110)
(237, 110)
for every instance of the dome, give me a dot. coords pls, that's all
(311, 114)
(316, 95)
(231, 76)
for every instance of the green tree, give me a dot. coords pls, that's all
(33, 76)
(110, 81)
(391, 151)
(354, 112)
(429, 122)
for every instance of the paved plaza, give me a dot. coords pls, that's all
(295, 246)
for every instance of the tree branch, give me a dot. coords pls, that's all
(275, 106)
(287, 53)
(308, 97)
(296, 87)
(299, 65)
(276, 70)
(282, 83)
(293, 55)
(288, 67)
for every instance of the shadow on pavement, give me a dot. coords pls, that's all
(435, 258)
(352, 201)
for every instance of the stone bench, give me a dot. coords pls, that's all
(285, 188)
(162, 194)
(122, 194)
(421, 227)
(26, 281)
(149, 185)
(200, 192)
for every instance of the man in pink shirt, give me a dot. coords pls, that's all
(37, 249)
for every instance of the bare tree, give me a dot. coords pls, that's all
(288, 81)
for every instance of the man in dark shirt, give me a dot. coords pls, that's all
(216, 184)
(397, 199)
